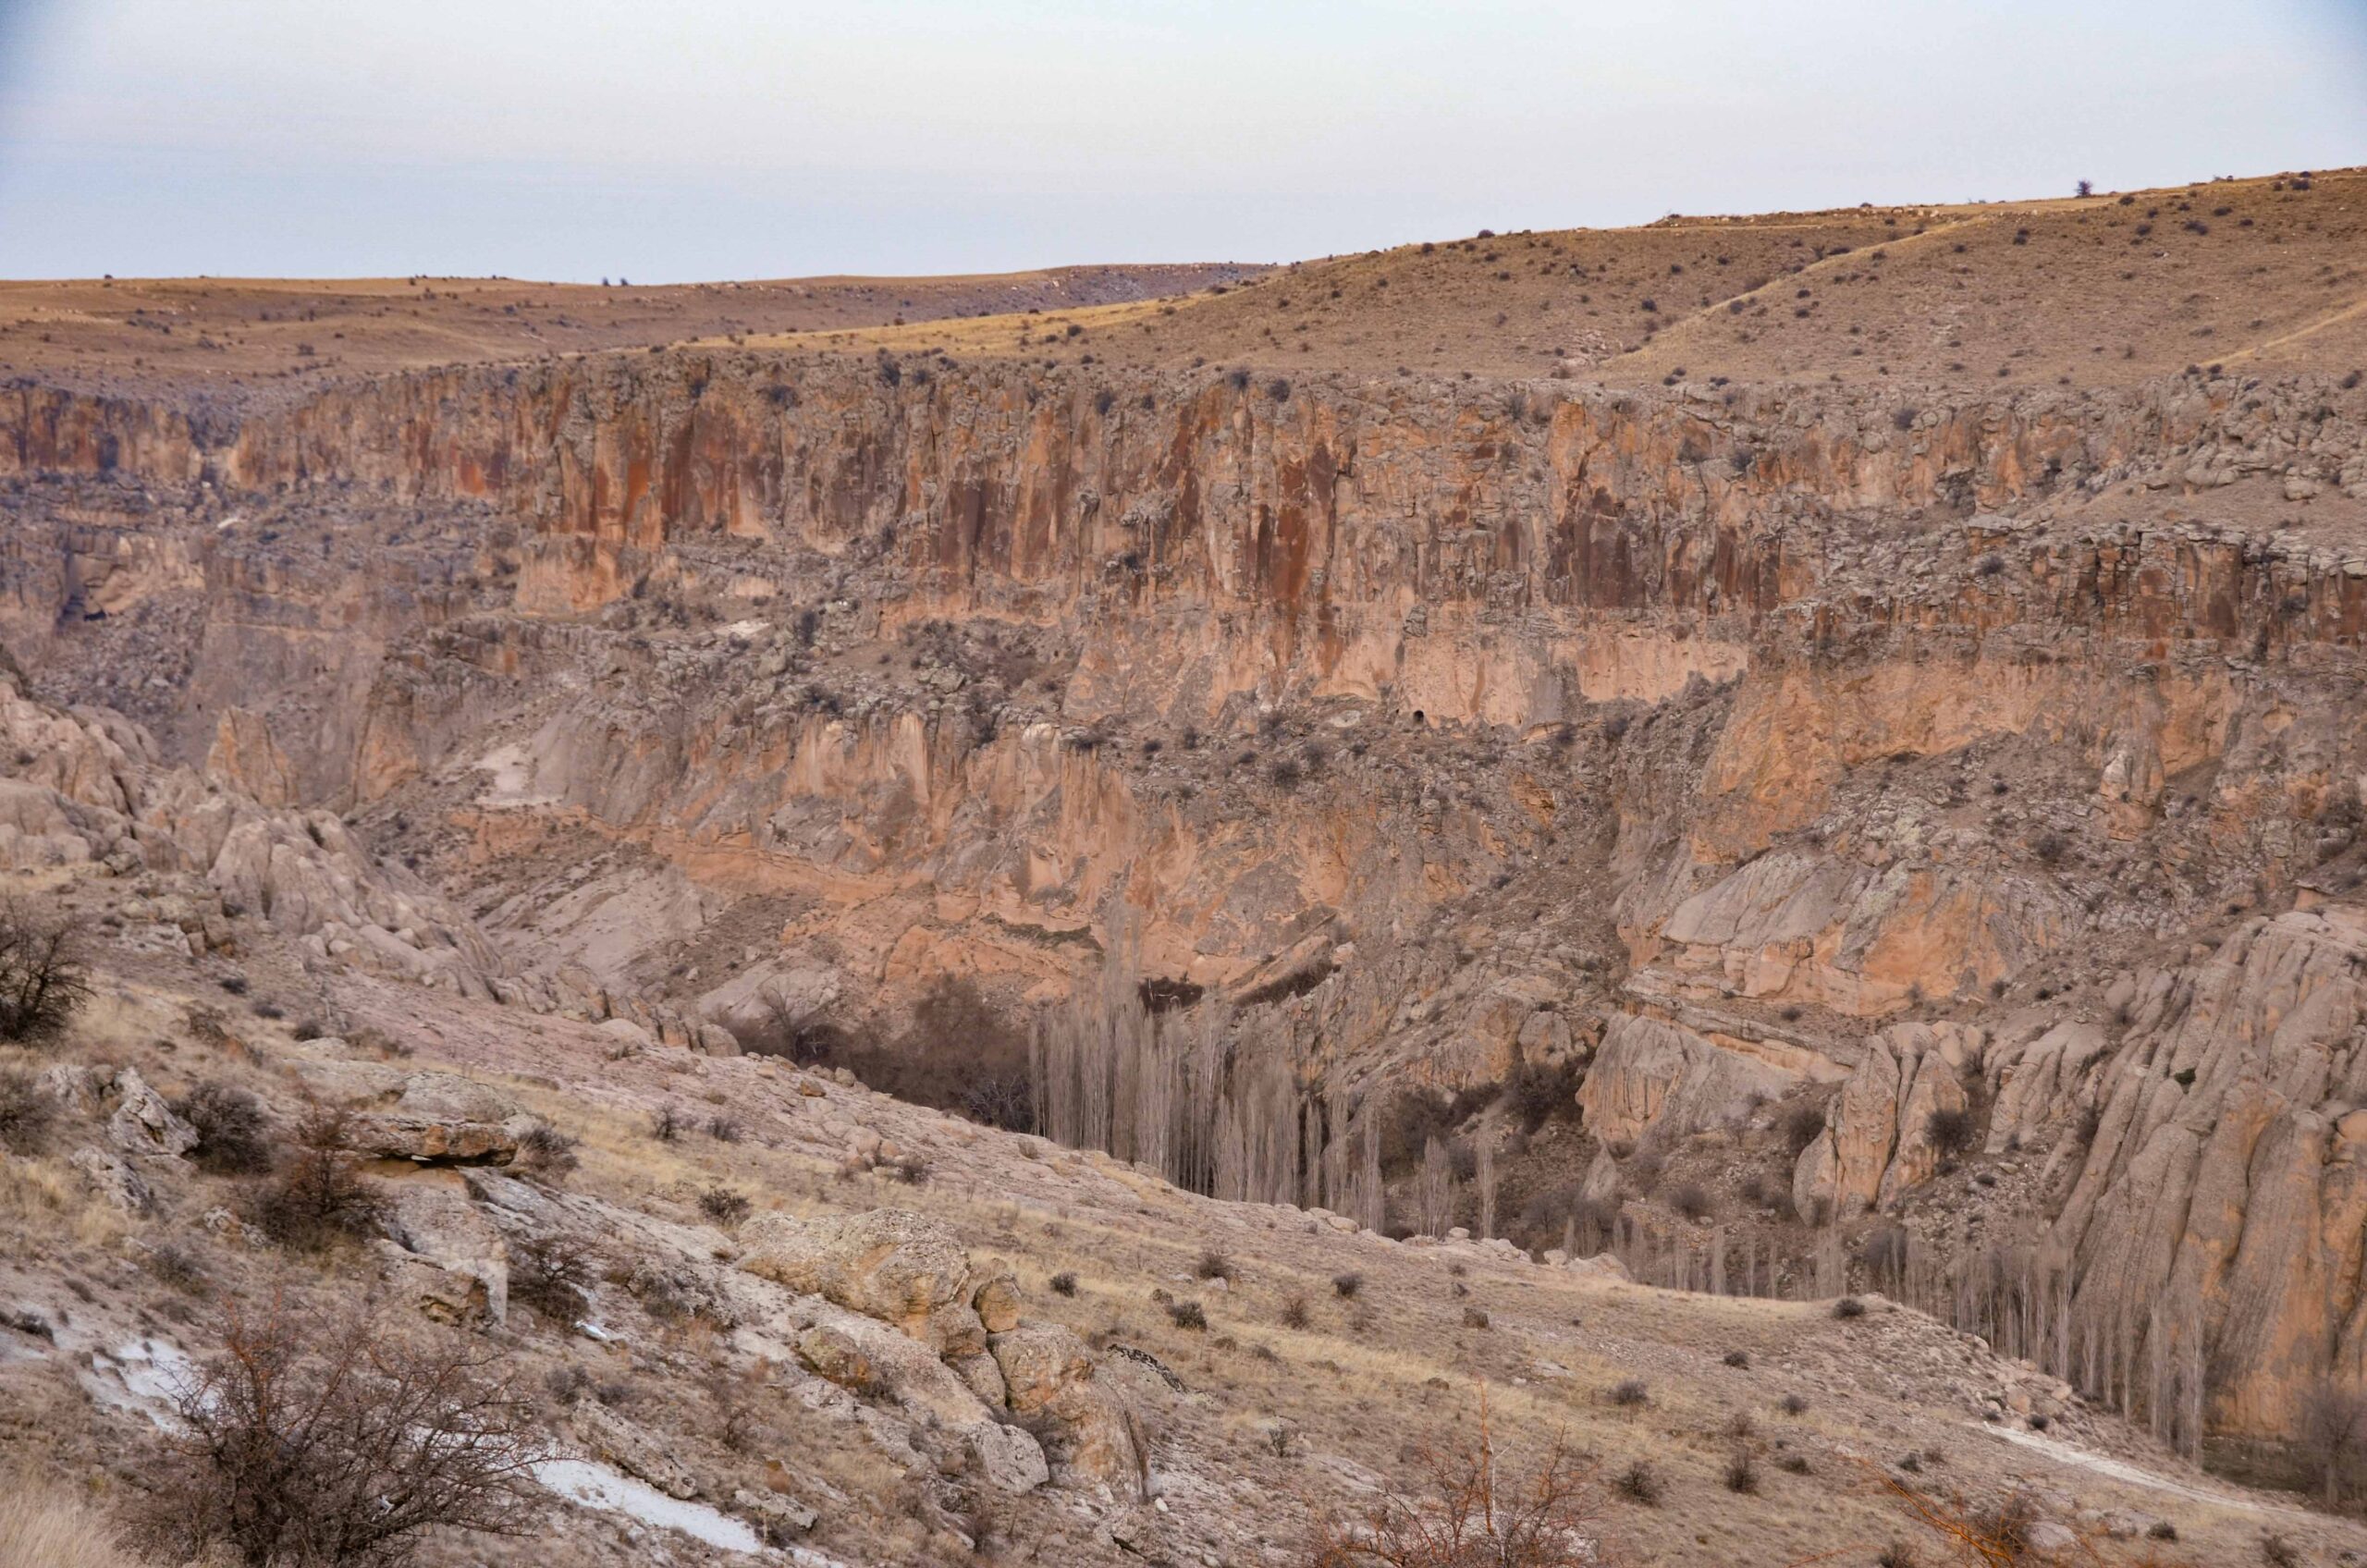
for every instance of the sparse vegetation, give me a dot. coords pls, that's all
(42, 978)
(724, 1208)
(1952, 1131)
(1471, 1509)
(234, 1133)
(317, 1198)
(1641, 1482)
(27, 1112)
(309, 1440)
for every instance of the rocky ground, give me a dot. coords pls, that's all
(925, 1340)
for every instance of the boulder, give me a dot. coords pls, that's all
(614, 1440)
(111, 1179)
(1049, 1376)
(427, 1287)
(142, 1122)
(434, 1118)
(1652, 1073)
(900, 1267)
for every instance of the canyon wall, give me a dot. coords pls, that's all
(1782, 740)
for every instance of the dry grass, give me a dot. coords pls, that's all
(2041, 291)
(44, 1527)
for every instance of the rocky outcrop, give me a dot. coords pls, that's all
(2218, 1217)
(431, 1117)
(1876, 1144)
(891, 1264)
(1655, 1075)
(1049, 1375)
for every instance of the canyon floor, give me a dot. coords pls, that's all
(934, 909)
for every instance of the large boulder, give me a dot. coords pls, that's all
(900, 1267)
(142, 1122)
(434, 1118)
(1049, 1381)
(1651, 1072)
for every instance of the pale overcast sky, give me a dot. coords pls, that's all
(673, 140)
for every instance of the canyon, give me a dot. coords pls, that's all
(1912, 821)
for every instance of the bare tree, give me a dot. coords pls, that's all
(1434, 1190)
(2334, 1429)
(42, 976)
(1487, 1178)
(1469, 1514)
(309, 1441)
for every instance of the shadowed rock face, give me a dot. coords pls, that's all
(1446, 726)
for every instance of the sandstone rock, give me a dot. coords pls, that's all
(111, 1179)
(434, 1118)
(610, 1437)
(901, 1268)
(1050, 1373)
(2224, 1194)
(429, 1287)
(1654, 1075)
(833, 1353)
(142, 1122)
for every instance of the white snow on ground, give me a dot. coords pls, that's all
(2121, 1470)
(595, 1486)
(146, 1375)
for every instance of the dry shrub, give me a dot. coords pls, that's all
(552, 1274)
(318, 1198)
(1950, 1129)
(724, 1208)
(1470, 1512)
(547, 1152)
(27, 1112)
(1640, 1483)
(316, 1440)
(233, 1134)
(42, 979)
(1803, 1124)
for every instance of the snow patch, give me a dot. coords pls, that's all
(146, 1375)
(595, 1486)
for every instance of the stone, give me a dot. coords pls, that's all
(142, 1122)
(111, 1179)
(904, 1268)
(775, 1514)
(1049, 1375)
(833, 1353)
(609, 1437)
(427, 1287)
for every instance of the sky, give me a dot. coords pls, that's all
(671, 140)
